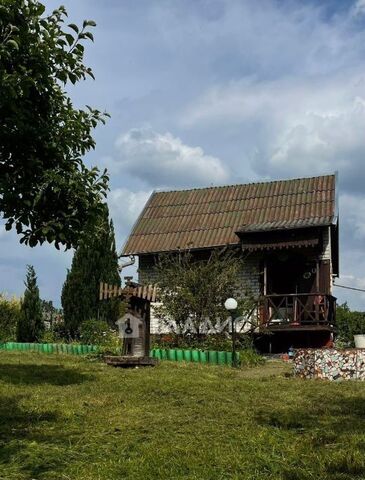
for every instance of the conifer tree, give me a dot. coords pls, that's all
(95, 260)
(30, 326)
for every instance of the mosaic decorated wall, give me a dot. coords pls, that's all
(330, 364)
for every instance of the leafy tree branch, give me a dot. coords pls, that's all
(46, 192)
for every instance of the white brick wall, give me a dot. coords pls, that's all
(326, 253)
(250, 275)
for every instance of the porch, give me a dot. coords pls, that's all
(297, 312)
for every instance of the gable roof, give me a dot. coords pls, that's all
(209, 217)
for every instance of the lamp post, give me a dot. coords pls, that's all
(231, 305)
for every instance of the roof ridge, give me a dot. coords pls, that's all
(247, 198)
(157, 191)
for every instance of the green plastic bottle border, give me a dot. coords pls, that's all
(50, 348)
(195, 356)
(176, 355)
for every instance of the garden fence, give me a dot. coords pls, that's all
(175, 355)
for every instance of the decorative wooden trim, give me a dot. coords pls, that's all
(145, 292)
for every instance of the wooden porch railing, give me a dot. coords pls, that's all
(297, 309)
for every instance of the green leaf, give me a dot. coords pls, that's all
(89, 35)
(62, 75)
(70, 39)
(74, 27)
(72, 77)
(40, 9)
(9, 224)
(89, 23)
(13, 44)
(32, 242)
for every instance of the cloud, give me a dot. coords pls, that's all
(284, 99)
(303, 127)
(352, 218)
(358, 8)
(125, 206)
(323, 141)
(164, 160)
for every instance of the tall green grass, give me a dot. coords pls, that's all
(69, 418)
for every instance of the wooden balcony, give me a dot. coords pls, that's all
(304, 311)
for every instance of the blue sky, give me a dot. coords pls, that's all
(207, 92)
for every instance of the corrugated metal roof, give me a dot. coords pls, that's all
(208, 217)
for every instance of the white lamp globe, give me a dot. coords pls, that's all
(230, 304)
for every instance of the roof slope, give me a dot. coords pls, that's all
(209, 217)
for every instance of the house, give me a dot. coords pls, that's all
(287, 232)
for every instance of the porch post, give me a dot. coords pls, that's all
(316, 303)
(317, 276)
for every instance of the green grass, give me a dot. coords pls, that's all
(72, 419)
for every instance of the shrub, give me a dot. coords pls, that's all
(348, 323)
(98, 332)
(250, 358)
(221, 341)
(9, 317)
(193, 290)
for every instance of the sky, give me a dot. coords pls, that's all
(212, 92)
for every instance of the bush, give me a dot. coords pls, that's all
(348, 323)
(9, 317)
(250, 358)
(98, 332)
(222, 342)
(60, 333)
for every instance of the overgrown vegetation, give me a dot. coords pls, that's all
(193, 291)
(65, 417)
(46, 191)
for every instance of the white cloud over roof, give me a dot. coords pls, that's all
(161, 159)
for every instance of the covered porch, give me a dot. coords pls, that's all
(296, 305)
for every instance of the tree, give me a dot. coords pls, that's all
(95, 260)
(348, 324)
(193, 291)
(30, 325)
(46, 192)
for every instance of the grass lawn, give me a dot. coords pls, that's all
(69, 418)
